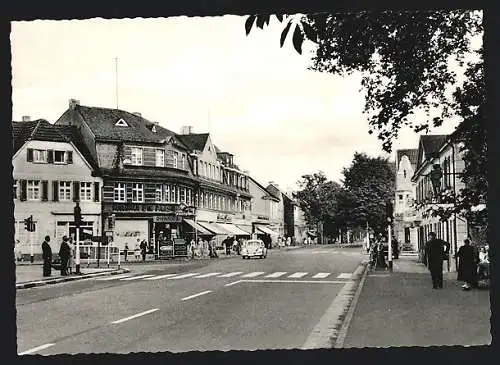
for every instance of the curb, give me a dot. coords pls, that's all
(32, 284)
(363, 273)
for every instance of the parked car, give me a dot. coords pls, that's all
(253, 248)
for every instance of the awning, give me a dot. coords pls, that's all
(247, 229)
(233, 229)
(215, 229)
(266, 230)
(478, 208)
(196, 226)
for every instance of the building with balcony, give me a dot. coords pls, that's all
(404, 232)
(52, 171)
(442, 151)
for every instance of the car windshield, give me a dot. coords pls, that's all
(253, 243)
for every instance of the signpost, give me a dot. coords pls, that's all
(77, 215)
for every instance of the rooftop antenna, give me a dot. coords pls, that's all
(116, 80)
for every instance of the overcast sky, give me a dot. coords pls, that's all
(258, 100)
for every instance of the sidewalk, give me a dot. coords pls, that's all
(402, 309)
(28, 276)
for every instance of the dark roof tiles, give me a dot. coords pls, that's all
(194, 141)
(411, 153)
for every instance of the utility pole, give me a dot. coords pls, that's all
(77, 215)
(367, 236)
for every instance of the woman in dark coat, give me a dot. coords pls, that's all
(64, 253)
(467, 264)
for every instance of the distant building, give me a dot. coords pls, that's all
(263, 210)
(406, 164)
(52, 171)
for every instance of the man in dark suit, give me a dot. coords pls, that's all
(436, 251)
(47, 256)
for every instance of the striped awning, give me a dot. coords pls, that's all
(247, 229)
(196, 226)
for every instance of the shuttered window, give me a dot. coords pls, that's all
(70, 157)
(29, 155)
(45, 191)
(97, 191)
(76, 191)
(24, 188)
(55, 190)
(50, 156)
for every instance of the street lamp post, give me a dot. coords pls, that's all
(77, 215)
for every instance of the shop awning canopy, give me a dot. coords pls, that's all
(196, 226)
(232, 228)
(214, 228)
(247, 229)
(266, 230)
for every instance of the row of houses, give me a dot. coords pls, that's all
(416, 197)
(136, 180)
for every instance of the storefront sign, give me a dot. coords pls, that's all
(264, 218)
(167, 219)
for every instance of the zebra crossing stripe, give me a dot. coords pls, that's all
(276, 274)
(114, 277)
(161, 277)
(183, 276)
(253, 274)
(321, 275)
(297, 275)
(207, 275)
(137, 277)
(344, 275)
(230, 274)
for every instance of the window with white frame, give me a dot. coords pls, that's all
(182, 195)
(59, 156)
(176, 159)
(64, 190)
(137, 193)
(166, 191)
(85, 191)
(158, 193)
(119, 192)
(39, 156)
(33, 190)
(136, 155)
(160, 158)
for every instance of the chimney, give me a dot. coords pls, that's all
(26, 118)
(73, 103)
(137, 114)
(187, 129)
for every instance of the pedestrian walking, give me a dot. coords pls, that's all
(47, 257)
(436, 250)
(64, 253)
(125, 251)
(467, 265)
(143, 246)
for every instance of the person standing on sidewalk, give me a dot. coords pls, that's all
(467, 265)
(64, 252)
(47, 257)
(435, 251)
(71, 261)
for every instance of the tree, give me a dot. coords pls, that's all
(403, 57)
(369, 184)
(317, 198)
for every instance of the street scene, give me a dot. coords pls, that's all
(226, 192)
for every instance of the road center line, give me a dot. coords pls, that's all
(35, 349)
(197, 295)
(135, 316)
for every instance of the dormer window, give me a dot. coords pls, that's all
(153, 129)
(121, 123)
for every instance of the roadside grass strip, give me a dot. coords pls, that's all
(135, 316)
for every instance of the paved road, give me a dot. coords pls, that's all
(230, 304)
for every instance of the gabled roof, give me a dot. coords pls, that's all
(194, 141)
(274, 191)
(429, 146)
(38, 130)
(71, 133)
(268, 194)
(102, 122)
(411, 153)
